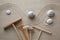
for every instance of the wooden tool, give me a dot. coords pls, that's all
(16, 31)
(40, 35)
(38, 28)
(30, 29)
(42, 30)
(12, 23)
(30, 35)
(8, 25)
(23, 31)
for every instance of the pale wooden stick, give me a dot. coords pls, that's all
(40, 35)
(16, 31)
(30, 35)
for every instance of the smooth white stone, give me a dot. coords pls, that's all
(8, 12)
(31, 14)
(49, 21)
(50, 13)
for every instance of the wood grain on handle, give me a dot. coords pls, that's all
(23, 31)
(16, 31)
(40, 35)
(30, 35)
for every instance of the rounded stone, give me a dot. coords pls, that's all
(50, 13)
(49, 21)
(31, 14)
(8, 12)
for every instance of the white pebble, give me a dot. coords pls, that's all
(49, 21)
(31, 14)
(8, 12)
(50, 13)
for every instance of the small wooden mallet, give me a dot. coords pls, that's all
(30, 29)
(23, 31)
